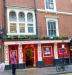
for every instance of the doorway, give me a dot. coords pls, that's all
(71, 57)
(29, 57)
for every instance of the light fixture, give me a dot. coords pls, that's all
(63, 45)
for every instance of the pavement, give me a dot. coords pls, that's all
(38, 71)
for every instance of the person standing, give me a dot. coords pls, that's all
(13, 62)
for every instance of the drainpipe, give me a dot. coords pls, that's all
(35, 7)
(4, 27)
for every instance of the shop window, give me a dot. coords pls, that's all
(61, 51)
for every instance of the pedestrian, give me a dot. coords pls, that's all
(13, 62)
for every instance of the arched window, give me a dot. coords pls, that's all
(12, 16)
(30, 17)
(21, 16)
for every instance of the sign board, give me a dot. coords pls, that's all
(47, 51)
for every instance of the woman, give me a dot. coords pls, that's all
(13, 62)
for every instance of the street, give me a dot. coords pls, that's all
(39, 71)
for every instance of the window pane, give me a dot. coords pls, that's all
(21, 16)
(31, 25)
(30, 29)
(13, 28)
(49, 32)
(29, 17)
(52, 28)
(22, 27)
(54, 32)
(49, 4)
(12, 16)
(54, 25)
(51, 25)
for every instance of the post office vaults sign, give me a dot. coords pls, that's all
(47, 51)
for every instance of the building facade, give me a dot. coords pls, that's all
(39, 31)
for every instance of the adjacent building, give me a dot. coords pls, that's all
(39, 31)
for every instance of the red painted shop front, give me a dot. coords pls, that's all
(48, 54)
(63, 52)
(29, 55)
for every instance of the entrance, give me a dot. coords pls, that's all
(71, 57)
(29, 57)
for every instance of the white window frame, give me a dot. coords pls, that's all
(17, 12)
(50, 10)
(56, 20)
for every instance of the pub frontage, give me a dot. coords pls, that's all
(36, 53)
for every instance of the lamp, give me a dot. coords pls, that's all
(63, 52)
(62, 45)
(0, 46)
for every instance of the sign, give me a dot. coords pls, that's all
(47, 51)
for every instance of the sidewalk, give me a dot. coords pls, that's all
(37, 71)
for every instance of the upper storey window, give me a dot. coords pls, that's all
(52, 27)
(21, 17)
(50, 5)
(21, 22)
(29, 17)
(12, 16)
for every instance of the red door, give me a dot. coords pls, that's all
(48, 57)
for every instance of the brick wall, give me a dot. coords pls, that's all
(64, 5)
(20, 3)
(1, 14)
(65, 23)
(64, 20)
